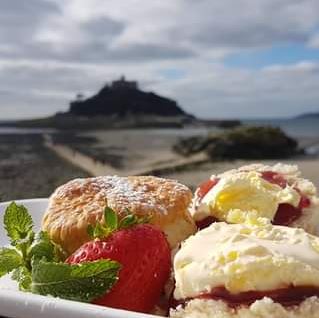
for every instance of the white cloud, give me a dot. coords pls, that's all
(62, 47)
(314, 41)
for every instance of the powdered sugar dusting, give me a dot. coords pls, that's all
(125, 190)
(121, 189)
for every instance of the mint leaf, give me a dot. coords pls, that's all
(111, 219)
(43, 247)
(23, 276)
(81, 282)
(9, 260)
(18, 223)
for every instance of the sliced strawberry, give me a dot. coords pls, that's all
(206, 186)
(144, 254)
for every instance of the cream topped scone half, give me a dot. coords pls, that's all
(240, 270)
(258, 194)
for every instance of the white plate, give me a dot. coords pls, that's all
(16, 304)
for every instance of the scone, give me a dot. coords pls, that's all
(80, 202)
(239, 270)
(258, 193)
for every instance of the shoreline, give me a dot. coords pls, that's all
(33, 166)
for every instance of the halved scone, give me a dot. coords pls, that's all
(238, 270)
(257, 193)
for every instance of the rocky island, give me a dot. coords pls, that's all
(122, 104)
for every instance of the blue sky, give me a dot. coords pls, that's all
(278, 54)
(218, 59)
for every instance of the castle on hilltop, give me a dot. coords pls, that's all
(122, 83)
(124, 98)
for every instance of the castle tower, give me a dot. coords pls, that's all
(122, 83)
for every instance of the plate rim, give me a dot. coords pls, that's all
(20, 201)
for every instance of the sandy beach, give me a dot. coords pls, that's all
(32, 165)
(30, 170)
(150, 152)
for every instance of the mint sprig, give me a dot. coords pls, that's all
(82, 282)
(113, 223)
(24, 278)
(10, 259)
(36, 262)
(18, 224)
(43, 247)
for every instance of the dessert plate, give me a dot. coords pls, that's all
(16, 304)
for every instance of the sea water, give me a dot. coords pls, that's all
(297, 127)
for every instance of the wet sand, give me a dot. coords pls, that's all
(30, 170)
(32, 166)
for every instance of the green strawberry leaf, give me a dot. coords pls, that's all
(18, 224)
(81, 282)
(10, 259)
(112, 223)
(128, 221)
(90, 231)
(23, 276)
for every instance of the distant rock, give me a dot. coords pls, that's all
(123, 98)
(308, 115)
(245, 142)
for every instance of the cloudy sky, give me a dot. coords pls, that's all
(218, 59)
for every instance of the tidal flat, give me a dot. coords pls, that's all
(30, 170)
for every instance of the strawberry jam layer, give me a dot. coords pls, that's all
(205, 187)
(285, 215)
(206, 222)
(285, 296)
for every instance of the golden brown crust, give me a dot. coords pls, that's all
(80, 202)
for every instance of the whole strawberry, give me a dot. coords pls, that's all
(144, 255)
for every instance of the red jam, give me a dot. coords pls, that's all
(275, 178)
(202, 224)
(285, 296)
(286, 213)
(205, 187)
